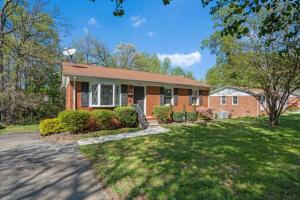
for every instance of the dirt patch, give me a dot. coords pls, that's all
(62, 137)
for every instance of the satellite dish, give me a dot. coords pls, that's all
(69, 52)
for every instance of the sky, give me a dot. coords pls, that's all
(173, 31)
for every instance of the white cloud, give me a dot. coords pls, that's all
(137, 21)
(93, 22)
(150, 34)
(183, 60)
(85, 30)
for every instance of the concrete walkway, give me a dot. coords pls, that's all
(152, 130)
(31, 168)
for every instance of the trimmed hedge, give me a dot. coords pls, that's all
(50, 126)
(179, 116)
(103, 118)
(126, 115)
(163, 114)
(191, 116)
(74, 120)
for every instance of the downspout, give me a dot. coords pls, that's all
(74, 93)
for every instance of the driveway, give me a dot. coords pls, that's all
(31, 168)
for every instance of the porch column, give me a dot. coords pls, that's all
(74, 93)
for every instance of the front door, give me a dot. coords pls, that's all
(139, 96)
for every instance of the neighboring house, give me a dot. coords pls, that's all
(92, 87)
(240, 102)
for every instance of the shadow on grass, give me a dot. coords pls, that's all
(234, 159)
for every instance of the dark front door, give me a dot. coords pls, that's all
(139, 96)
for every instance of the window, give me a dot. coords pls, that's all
(95, 94)
(106, 95)
(168, 96)
(223, 100)
(195, 97)
(234, 100)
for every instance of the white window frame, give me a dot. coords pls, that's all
(172, 95)
(221, 102)
(237, 101)
(197, 97)
(99, 94)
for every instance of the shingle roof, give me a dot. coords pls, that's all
(73, 69)
(255, 91)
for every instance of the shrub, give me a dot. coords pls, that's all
(179, 116)
(50, 126)
(74, 120)
(192, 116)
(126, 115)
(163, 114)
(205, 113)
(103, 118)
(293, 108)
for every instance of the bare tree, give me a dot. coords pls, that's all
(125, 55)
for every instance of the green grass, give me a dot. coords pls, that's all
(234, 159)
(107, 132)
(18, 129)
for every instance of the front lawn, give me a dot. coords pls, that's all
(18, 129)
(233, 159)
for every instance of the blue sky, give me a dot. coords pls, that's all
(175, 30)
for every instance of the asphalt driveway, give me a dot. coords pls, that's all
(31, 168)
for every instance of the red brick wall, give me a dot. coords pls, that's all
(130, 90)
(69, 96)
(247, 106)
(294, 101)
(153, 99)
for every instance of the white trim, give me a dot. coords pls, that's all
(74, 93)
(221, 102)
(145, 100)
(237, 101)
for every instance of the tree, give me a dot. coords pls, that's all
(274, 66)
(279, 15)
(92, 51)
(125, 55)
(30, 54)
(166, 66)
(146, 62)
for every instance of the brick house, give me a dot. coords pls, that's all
(241, 102)
(91, 87)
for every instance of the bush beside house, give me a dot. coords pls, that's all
(50, 126)
(163, 114)
(126, 115)
(75, 121)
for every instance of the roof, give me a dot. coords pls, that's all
(252, 91)
(72, 69)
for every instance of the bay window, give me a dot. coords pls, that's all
(95, 99)
(104, 95)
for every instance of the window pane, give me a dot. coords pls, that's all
(117, 95)
(194, 100)
(223, 99)
(194, 94)
(168, 100)
(235, 100)
(168, 92)
(94, 94)
(106, 94)
(168, 96)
